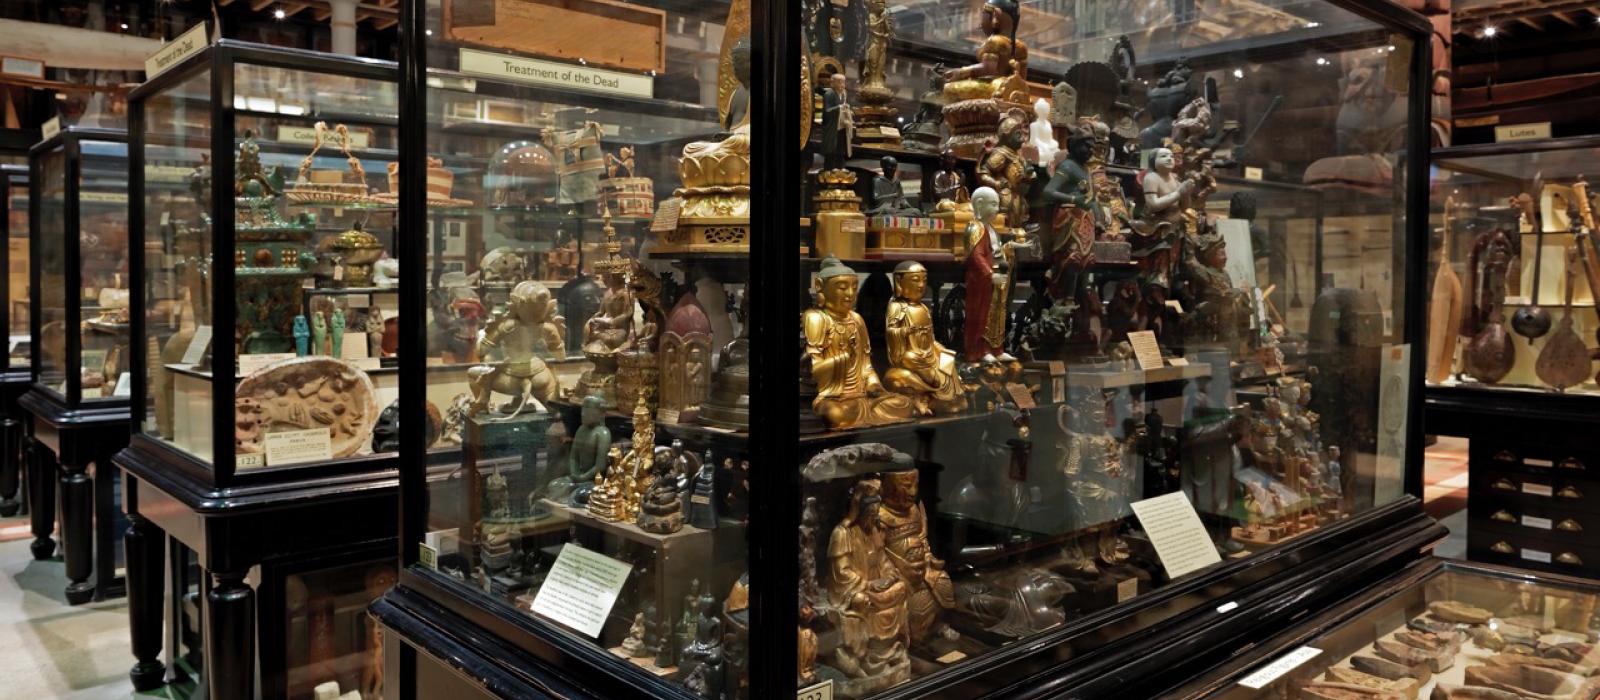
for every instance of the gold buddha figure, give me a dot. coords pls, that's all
(906, 526)
(605, 502)
(715, 176)
(870, 596)
(920, 368)
(849, 393)
(638, 465)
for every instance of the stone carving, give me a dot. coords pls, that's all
(304, 393)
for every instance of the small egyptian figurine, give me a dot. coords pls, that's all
(319, 333)
(849, 393)
(336, 333)
(920, 367)
(302, 336)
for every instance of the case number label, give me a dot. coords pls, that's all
(820, 691)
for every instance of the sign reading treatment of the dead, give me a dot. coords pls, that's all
(1180, 539)
(581, 588)
(552, 73)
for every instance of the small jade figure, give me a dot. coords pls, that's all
(336, 331)
(302, 336)
(319, 333)
(587, 456)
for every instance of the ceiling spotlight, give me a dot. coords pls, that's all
(1313, 25)
(1490, 30)
(124, 26)
(429, 32)
(279, 14)
(1238, 73)
(1322, 61)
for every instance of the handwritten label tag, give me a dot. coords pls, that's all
(820, 691)
(951, 657)
(1175, 305)
(1253, 173)
(1179, 362)
(1058, 368)
(666, 219)
(428, 556)
(173, 52)
(197, 345)
(1275, 670)
(299, 446)
(50, 128)
(581, 588)
(667, 415)
(1021, 396)
(854, 225)
(1180, 539)
(252, 460)
(1126, 589)
(1145, 349)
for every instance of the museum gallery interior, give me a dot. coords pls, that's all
(443, 349)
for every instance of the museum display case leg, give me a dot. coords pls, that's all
(230, 637)
(174, 594)
(41, 498)
(107, 513)
(144, 544)
(77, 531)
(10, 466)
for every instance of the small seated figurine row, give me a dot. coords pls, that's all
(656, 487)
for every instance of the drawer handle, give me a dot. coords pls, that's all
(1503, 485)
(1573, 463)
(1503, 548)
(1569, 525)
(1569, 559)
(1503, 516)
(1569, 492)
(1507, 456)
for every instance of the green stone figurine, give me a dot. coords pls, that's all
(336, 330)
(587, 456)
(319, 333)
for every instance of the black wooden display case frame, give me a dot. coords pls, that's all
(219, 59)
(517, 656)
(14, 380)
(69, 442)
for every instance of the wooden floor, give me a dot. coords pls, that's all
(1444, 477)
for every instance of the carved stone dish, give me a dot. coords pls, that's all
(303, 393)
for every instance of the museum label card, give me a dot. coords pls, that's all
(249, 364)
(1021, 396)
(1145, 349)
(173, 52)
(820, 691)
(124, 386)
(535, 71)
(197, 346)
(307, 135)
(1264, 676)
(1522, 132)
(1180, 539)
(51, 127)
(666, 219)
(297, 446)
(27, 67)
(1241, 265)
(581, 588)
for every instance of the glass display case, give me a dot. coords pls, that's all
(1096, 323)
(267, 233)
(1442, 630)
(14, 186)
(80, 239)
(329, 645)
(1512, 307)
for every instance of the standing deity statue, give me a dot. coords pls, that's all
(990, 261)
(1005, 170)
(1099, 484)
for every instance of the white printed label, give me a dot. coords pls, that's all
(50, 128)
(250, 460)
(197, 345)
(1537, 523)
(249, 364)
(1180, 539)
(12, 65)
(427, 556)
(1253, 173)
(1145, 349)
(307, 135)
(1538, 462)
(820, 691)
(124, 386)
(1275, 670)
(581, 588)
(299, 446)
(566, 75)
(1536, 555)
(173, 52)
(1126, 589)
(1538, 489)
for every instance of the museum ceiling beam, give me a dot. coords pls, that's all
(70, 47)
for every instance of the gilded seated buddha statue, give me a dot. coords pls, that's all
(920, 367)
(849, 393)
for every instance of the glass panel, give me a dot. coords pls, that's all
(103, 260)
(17, 276)
(314, 227)
(177, 234)
(333, 649)
(1125, 281)
(588, 255)
(1457, 635)
(1516, 250)
(52, 237)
